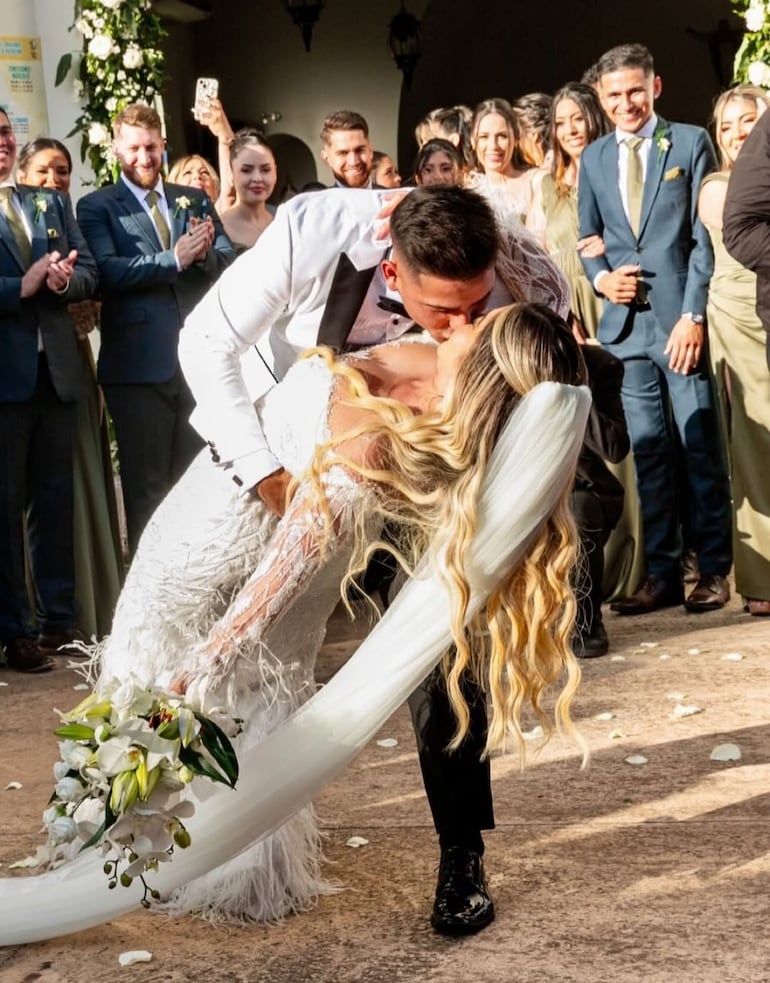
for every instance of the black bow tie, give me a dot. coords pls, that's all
(392, 306)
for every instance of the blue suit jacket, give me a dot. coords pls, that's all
(53, 226)
(673, 246)
(145, 299)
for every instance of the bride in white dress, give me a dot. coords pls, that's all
(403, 431)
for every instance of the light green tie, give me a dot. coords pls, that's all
(16, 224)
(635, 182)
(161, 224)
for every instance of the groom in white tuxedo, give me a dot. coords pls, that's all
(323, 273)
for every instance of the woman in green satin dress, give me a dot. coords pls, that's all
(737, 353)
(578, 119)
(99, 568)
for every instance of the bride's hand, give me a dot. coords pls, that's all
(392, 201)
(180, 684)
(591, 247)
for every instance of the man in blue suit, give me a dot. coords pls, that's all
(44, 264)
(638, 190)
(158, 247)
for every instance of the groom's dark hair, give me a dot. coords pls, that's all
(625, 56)
(445, 232)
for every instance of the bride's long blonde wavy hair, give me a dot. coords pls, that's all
(429, 471)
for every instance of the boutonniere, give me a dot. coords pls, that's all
(40, 201)
(182, 203)
(662, 142)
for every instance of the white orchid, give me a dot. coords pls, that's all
(112, 4)
(758, 73)
(83, 27)
(117, 755)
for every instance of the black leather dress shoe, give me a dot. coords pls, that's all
(592, 644)
(709, 594)
(65, 642)
(653, 593)
(23, 655)
(463, 905)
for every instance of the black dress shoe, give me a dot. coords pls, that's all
(592, 644)
(463, 905)
(65, 642)
(690, 568)
(709, 594)
(23, 655)
(653, 593)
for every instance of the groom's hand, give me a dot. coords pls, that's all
(620, 285)
(272, 490)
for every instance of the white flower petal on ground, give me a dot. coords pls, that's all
(648, 645)
(726, 752)
(664, 656)
(605, 716)
(693, 651)
(3, 684)
(617, 658)
(682, 710)
(80, 686)
(616, 735)
(41, 856)
(636, 759)
(387, 742)
(732, 657)
(535, 734)
(357, 841)
(12, 785)
(134, 956)
(676, 697)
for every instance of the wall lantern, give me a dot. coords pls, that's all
(405, 42)
(304, 13)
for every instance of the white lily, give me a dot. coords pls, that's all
(158, 748)
(116, 755)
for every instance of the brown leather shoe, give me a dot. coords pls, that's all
(652, 593)
(757, 606)
(23, 655)
(709, 594)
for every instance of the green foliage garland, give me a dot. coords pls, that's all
(120, 63)
(752, 62)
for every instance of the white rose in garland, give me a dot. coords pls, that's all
(752, 62)
(119, 62)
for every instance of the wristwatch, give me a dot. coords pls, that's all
(695, 318)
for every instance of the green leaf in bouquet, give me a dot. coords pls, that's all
(218, 745)
(200, 765)
(75, 732)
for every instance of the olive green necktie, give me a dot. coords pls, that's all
(16, 224)
(160, 222)
(635, 182)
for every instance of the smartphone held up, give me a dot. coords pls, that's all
(206, 89)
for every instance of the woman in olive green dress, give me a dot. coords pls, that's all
(577, 119)
(46, 163)
(737, 352)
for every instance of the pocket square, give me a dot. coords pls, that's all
(53, 233)
(673, 173)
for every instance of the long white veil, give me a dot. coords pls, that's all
(531, 465)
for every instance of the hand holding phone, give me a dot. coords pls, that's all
(206, 89)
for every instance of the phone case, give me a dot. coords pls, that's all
(206, 89)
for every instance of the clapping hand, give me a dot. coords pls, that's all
(195, 243)
(51, 270)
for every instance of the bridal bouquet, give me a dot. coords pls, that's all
(125, 755)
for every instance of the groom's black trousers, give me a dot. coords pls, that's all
(457, 783)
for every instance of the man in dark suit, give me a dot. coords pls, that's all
(638, 189)
(44, 264)
(158, 248)
(746, 220)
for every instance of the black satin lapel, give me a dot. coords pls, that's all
(345, 298)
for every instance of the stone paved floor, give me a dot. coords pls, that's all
(621, 873)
